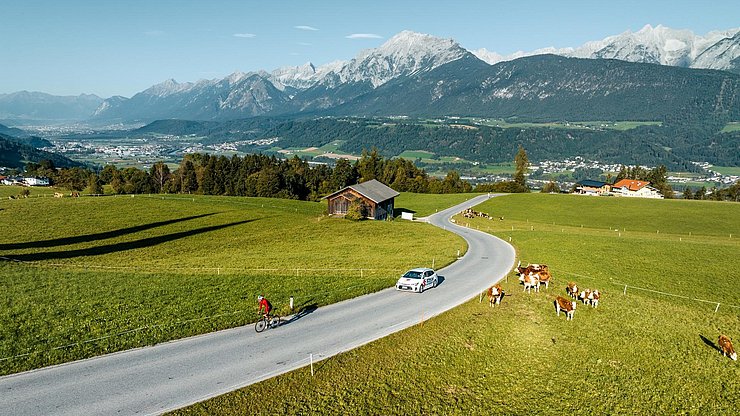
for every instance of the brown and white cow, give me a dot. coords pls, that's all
(726, 346)
(530, 281)
(572, 289)
(495, 293)
(595, 296)
(585, 296)
(565, 305)
(544, 276)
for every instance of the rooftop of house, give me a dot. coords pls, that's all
(631, 184)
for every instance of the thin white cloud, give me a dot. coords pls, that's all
(363, 36)
(303, 27)
(305, 44)
(244, 35)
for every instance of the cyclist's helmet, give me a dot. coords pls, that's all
(259, 297)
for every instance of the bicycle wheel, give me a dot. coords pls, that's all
(275, 322)
(260, 325)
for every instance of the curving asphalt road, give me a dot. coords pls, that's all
(168, 376)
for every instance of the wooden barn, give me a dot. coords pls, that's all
(378, 198)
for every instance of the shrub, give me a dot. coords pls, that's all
(357, 210)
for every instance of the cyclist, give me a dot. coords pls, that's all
(264, 303)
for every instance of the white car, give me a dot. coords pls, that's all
(416, 280)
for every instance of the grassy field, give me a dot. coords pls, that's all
(35, 191)
(727, 170)
(589, 125)
(100, 274)
(427, 204)
(731, 126)
(637, 353)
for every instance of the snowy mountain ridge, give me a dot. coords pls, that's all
(656, 45)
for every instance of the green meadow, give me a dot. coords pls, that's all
(731, 127)
(639, 352)
(86, 276)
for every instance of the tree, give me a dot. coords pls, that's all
(160, 174)
(522, 166)
(551, 187)
(188, 178)
(94, 185)
(701, 193)
(370, 165)
(687, 194)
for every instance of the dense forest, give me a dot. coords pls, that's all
(674, 143)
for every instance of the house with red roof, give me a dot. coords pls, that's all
(635, 188)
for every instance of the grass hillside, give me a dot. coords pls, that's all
(92, 275)
(639, 353)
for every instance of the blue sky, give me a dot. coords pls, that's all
(109, 47)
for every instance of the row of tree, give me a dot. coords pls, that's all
(252, 175)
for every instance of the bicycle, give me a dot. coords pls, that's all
(268, 321)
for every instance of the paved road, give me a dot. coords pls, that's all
(168, 376)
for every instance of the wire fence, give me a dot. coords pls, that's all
(342, 293)
(217, 270)
(626, 286)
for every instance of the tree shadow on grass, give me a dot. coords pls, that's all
(97, 236)
(113, 248)
(710, 343)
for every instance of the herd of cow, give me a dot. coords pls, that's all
(534, 275)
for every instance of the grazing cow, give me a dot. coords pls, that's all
(530, 281)
(572, 289)
(726, 346)
(567, 306)
(495, 293)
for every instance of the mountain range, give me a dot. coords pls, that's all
(418, 74)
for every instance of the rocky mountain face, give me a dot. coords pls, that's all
(288, 90)
(655, 45)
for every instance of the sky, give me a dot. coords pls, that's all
(121, 47)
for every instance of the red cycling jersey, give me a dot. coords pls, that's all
(263, 303)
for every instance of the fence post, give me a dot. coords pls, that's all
(625, 290)
(310, 356)
(432, 262)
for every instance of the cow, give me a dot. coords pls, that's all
(595, 296)
(495, 293)
(567, 306)
(585, 296)
(725, 345)
(572, 289)
(530, 281)
(543, 276)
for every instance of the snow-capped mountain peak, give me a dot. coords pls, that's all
(404, 54)
(657, 45)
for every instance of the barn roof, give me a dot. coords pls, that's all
(372, 189)
(591, 183)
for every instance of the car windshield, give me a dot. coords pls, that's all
(413, 274)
